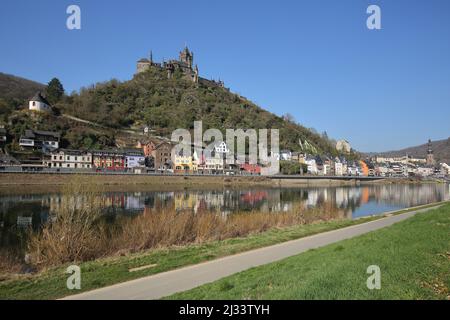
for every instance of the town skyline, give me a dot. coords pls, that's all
(287, 76)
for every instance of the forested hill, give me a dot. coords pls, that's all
(12, 87)
(117, 109)
(167, 104)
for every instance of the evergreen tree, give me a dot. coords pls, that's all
(54, 91)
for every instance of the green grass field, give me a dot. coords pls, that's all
(51, 284)
(413, 255)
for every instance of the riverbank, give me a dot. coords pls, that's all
(18, 183)
(413, 257)
(50, 283)
(11, 183)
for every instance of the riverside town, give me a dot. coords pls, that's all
(227, 159)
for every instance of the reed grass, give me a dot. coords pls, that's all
(77, 232)
(10, 263)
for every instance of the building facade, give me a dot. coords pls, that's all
(134, 159)
(39, 103)
(70, 159)
(162, 155)
(40, 140)
(110, 160)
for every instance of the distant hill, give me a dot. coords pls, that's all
(441, 149)
(12, 87)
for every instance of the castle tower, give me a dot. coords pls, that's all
(196, 74)
(170, 70)
(187, 57)
(143, 65)
(430, 155)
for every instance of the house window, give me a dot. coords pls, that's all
(34, 103)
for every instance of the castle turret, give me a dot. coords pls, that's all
(143, 65)
(187, 57)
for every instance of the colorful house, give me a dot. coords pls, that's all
(111, 160)
(183, 163)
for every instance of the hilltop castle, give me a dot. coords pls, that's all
(185, 64)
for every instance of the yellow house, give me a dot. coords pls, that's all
(184, 164)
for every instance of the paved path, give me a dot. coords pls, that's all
(167, 283)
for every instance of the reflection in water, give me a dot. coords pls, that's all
(20, 212)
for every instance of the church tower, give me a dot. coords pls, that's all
(430, 155)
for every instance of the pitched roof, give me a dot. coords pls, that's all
(38, 97)
(33, 133)
(71, 151)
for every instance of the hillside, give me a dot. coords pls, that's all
(12, 87)
(165, 105)
(441, 149)
(150, 98)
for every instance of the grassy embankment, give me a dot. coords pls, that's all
(50, 283)
(413, 255)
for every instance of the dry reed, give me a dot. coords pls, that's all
(76, 233)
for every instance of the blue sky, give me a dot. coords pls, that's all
(380, 89)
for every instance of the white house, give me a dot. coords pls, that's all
(134, 158)
(352, 170)
(39, 103)
(312, 165)
(38, 139)
(338, 167)
(425, 171)
(286, 155)
(70, 159)
(445, 169)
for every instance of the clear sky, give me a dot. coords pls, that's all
(380, 89)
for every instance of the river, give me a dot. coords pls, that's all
(22, 212)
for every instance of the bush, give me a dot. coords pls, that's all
(292, 167)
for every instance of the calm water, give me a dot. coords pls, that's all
(20, 212)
